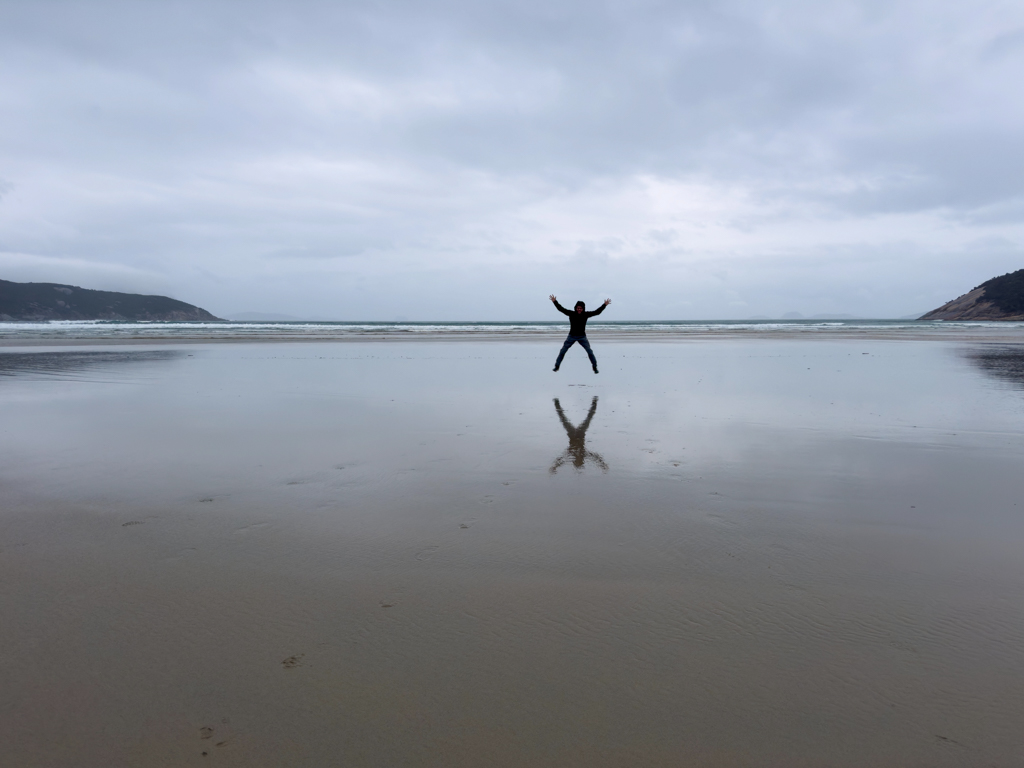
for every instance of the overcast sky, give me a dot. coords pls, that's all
(464, 159)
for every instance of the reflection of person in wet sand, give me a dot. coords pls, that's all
(577, 450)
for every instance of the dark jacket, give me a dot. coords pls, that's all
(578, 320)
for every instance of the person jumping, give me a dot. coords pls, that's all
(578, 328)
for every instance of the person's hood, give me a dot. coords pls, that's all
(580, 304)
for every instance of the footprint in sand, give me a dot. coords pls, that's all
(902, 646)
(206, 732)
(293, 661)
(250, 528)
(427, 553)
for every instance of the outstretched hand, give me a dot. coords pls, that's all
(552, 297)
(607, 302)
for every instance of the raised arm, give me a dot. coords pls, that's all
(558, 306)
(600, 309)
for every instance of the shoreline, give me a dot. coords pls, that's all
(986, 335)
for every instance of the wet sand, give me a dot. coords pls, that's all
(755, 553)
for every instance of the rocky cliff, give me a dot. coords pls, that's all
(1001, 298)
(52, 301)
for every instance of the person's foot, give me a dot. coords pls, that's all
(595, 369)
(555, 369)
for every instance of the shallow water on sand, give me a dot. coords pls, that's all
(733, 552)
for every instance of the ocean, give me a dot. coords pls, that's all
(105, 330)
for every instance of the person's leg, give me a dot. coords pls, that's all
(569, 341)
(590, 353)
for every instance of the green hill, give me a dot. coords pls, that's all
(53, 301)
(1001, 298)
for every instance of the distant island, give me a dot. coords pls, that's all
(262, 317)
(1001, 298)
(53, 301)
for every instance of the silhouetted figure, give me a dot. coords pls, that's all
(577, 328)
(577, 450)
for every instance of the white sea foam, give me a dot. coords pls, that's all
(101, 330)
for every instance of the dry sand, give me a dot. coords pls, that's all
(774, 553)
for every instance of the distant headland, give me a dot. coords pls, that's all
(53, 301)
(1001, 298)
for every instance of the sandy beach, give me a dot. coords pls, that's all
(719, 552)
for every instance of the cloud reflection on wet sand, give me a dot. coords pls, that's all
(804, 553)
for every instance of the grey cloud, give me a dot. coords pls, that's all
(369, 143)
(1005, 44)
